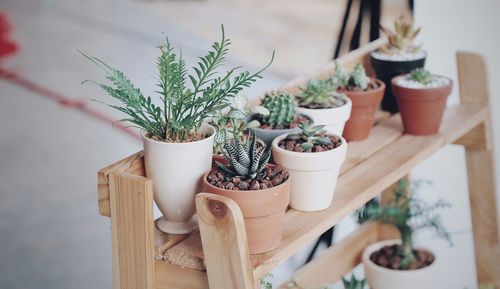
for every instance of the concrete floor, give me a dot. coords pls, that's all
(51, 235)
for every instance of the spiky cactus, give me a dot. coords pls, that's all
(281, 109)
(353, 283)
(421, 75)
(401, 39)
(320, 93)
(311, 135)
(244, 159)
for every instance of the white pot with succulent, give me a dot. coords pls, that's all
(320, 101)
(177, 143)
(314, 158)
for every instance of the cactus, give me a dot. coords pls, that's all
(401, 39)
(358, 77)
(342, 76)
(281, 109)
(244, 159)
(311, 135)
(421, 75)
(353, 283)
(320, 94)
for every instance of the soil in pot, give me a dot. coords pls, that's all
(294, 145)
(275, 176)
(299, 119)
(388, 257)
(364, 105)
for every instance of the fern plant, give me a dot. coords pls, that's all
(408, 214)
(187, 99)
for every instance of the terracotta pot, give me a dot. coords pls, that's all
(383, 278)
(177, 181)
(263, 211)
(421, 108)
(313, 175)
(364, 106)
(385, 70)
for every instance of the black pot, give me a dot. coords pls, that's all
(386, 70)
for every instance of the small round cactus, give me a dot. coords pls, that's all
(320, 93)
(281, 109)
(421, 75)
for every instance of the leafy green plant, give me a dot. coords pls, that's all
(421, 75)
(311, 135)
(354, 283)
(320, 93)
(244, 159)
(281, 109)
(187, 99)
(408, 214)
(402, 37)
(357, 77)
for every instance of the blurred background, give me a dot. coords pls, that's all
(53, 139)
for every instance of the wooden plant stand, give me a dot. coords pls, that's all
(221, 259)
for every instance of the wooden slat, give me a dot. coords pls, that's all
(132, 231)
(175, 277)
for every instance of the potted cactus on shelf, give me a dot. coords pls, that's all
(421, 97)
(281, 117)
(313, 157)
(261, 190)
(177, 142)
(395, 264)
(320, 100)
(365, 93)
(401, 55)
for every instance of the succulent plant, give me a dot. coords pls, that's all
(244, 159)
(320, 93)
(281, 109)
(353, 283)
(342, 76)
(311, 135)
(401, 39)
(421, 75)
(357, 77)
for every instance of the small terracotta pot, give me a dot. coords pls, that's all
(421, 108)
(263, 211)
(364, 106)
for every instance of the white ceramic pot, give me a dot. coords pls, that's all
(382, 278)
(177, 171)
(313, 176)
(334, 118)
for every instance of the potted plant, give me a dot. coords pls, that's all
(396, 264)
(422, 99)
(401, 55)
(365, 93)
(320, 100)
(281, 118)
(313, 157)
(354, 283)
(261, 190)
(174, 131)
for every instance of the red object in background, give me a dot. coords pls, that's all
(7, 46)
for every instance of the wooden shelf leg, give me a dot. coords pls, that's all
(481, 171)
(224, 240)
(132, 229)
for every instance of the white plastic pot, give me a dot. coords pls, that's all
(177, 171)
(334, 118)
(382, 278)
(313, 175)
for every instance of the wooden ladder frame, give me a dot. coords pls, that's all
(126, 195)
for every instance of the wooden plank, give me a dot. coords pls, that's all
(170, 276)
(132, 164)
(225, 247)
(366, 180)
(474, 89)
(336, 261)
(477, 139)
(132, 230)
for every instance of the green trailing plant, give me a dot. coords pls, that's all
(357, 77)
(421, 75)
(408, 214)
(311, 135)
(354, 283)
(320, 93)
(402, 38)
(186, 99)
(281, 109)
(244, 159)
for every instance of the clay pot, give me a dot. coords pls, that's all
(364, 106)
(263, 211)
(383, 278)
(385, 70)
(313, 175)
(421, 108)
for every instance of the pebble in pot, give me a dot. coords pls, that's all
(314, 158)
